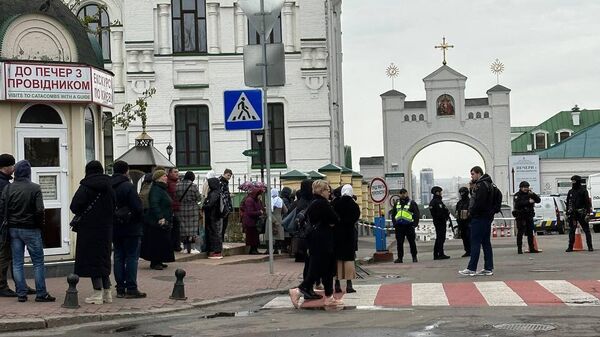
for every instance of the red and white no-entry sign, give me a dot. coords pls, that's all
(379, 190)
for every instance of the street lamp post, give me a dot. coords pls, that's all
(169, 151)
(259, 139)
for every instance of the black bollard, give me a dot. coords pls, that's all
(71, 300)
(179, 288)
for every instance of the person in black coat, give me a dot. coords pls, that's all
(405, 220)
(127, 232)
(323, 219)
(345, 237)
(579, 206)
(524, 201)
(94, 202)
(440, 215)
(463, 219)
(304, 198)
(213, 220)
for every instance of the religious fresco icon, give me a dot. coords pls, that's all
(445, 105)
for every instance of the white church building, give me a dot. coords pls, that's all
(192, 51)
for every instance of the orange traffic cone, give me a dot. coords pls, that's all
(501, 231)
(578, 245)
(494, 231)
(508, 231)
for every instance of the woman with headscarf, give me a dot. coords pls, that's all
(213, 219)
(278, 208)
(156, 244)
(94, 203)
(188, 194)
(345, 236)
(251, 210)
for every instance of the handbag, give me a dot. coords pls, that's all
(261, 224)
(4, 224)
(76, 221)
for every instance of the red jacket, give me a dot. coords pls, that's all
(172, 189)
(251, 210)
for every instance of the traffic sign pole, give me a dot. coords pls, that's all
(267, 138)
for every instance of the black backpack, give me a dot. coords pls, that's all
(122, 215)
(304, 227)
(496, 198)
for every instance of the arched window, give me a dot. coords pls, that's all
(486, 114)
(189, 26)
(478, 114)
(40, 114)
(98, 23)
(406, 118)
(421, 117)
(413, 117)
(563, 134)
(90, 143)
(471, 116)
(540, 140)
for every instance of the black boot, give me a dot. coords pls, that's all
(338, 287)
(519, 250)
(349, 288)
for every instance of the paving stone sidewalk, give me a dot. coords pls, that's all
(205, 280)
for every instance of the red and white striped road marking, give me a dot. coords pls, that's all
(467, 294)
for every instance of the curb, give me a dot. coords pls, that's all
(28, 324)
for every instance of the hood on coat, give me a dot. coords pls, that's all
(486, 177)
(286, 193)
(117, 179)
(305, 189)
(93, 167)
(97, 182)
(23, 170)
(214, 184)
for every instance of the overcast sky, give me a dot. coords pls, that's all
(550, 49)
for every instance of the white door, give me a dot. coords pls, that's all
(46, 150)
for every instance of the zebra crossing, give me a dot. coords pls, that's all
(517, 293)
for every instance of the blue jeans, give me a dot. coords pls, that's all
(127, 253)
(480, 238)
(32, 238)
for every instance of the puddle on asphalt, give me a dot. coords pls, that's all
(228, 314)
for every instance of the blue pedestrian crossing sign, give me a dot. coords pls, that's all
(243, 109)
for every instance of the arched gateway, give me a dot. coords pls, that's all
(446, 115)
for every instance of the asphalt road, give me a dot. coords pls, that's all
(246, 318)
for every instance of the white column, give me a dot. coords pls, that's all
(117, 57)
(288, 25)
(240, 29)
(164, 15)
(132, 61)
(212, 23)
(147, 61)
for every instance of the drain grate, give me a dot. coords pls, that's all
(525, 327)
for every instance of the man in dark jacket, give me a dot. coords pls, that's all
(224, 179)
(523, 204)
(578, 208)
(172, 181)
(481, 209)
(405, 217)
(463, 219)
(127, 232)
(25, 218)
(440, 215)
(213, 220)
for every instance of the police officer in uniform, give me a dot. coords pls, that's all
(463, 219)
(523, 212)
(405, 216)
(578, 208)
(440, 215)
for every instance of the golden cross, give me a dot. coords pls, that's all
(444, 46)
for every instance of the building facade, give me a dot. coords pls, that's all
(192, 51)
(52, 91)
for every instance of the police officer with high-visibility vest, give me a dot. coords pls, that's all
(405, 216)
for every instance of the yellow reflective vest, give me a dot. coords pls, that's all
(403, 215)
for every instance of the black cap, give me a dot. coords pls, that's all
(6, 160)
(436, 189)
(523, 184)
(463, 190)
(576, 178)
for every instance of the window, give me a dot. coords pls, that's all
(99, 24)
(471, 116)
(406, 118)
(274, 37)
(90, 142)
(192, 136)
(40, 114)
(189, 26)
(109, 156)
(478, 114)
(486, 114)
(277, 132)
(421, 117)
(540, 141)
(413, 118)
(562, 135)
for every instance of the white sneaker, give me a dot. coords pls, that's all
(107, 296)
(96, 297)
(467, 272)
(194, 251)
(485, 272)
